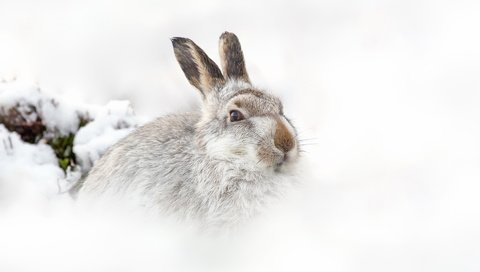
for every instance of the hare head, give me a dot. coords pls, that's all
(239, 123)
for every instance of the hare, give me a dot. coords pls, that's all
(218, 166)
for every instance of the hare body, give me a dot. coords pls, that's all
(219, 166)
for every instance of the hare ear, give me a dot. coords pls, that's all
(199, 69)
(231, 56)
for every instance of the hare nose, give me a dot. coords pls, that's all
(283, 139)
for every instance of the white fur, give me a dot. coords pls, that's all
(201, 166)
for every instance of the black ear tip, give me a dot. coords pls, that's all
(179, 41)
(228, 35)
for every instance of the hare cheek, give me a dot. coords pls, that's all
(227, 147)
(238, 151)
(220, 148)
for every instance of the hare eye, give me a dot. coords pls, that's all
(235, 116)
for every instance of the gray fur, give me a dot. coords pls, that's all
(200, 165)
(233, 63)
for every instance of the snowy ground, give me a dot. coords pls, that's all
(387, 91)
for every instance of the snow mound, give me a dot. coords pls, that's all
(16, 156)
(56, 141)
(110, 124)
(58, 118)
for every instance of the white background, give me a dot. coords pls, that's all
(386, 92)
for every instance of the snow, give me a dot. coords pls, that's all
(106, 125)
(385, 93)
(59, 117)
(26, 171)
(111, 123)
